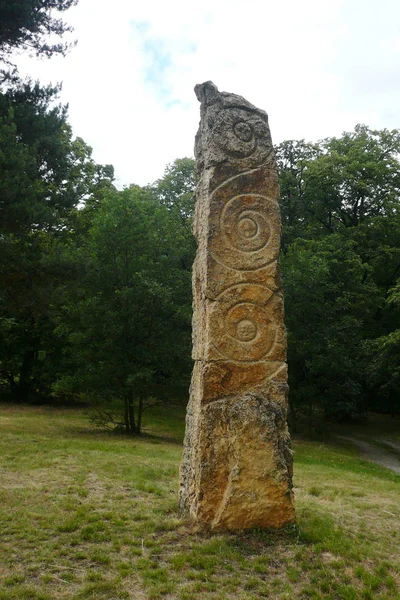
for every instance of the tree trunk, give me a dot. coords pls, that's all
(310, 417)
(126, 414)
(24, 390)
(139, 418)
(131, 413)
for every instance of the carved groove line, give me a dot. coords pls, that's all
(258, 268)
(232, 179)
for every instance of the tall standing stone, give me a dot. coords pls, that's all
(237, 465)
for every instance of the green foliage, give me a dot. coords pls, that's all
(95, 296)
(293, 158)
(29, 25)
(339, 182)
(176, 190)
(341, 245)
(384, 354)
(330, 300)
(128, 322)
(45, 173)
(45, 176)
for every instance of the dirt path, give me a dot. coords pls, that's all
(377, 454)
(393, 445)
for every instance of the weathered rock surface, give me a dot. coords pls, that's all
(236, 471)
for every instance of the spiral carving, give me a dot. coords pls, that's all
(247, 237)
(240, 133)
(241, 322)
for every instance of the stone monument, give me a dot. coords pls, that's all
(236, 471)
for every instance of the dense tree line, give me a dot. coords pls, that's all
(341, 266)
(95, 296)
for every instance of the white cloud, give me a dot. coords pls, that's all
(317, 68)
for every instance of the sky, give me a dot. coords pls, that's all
(316, 67)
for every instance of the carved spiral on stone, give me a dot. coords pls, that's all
(240, 133)
(244, 223)
(241, 322)
(248, 235)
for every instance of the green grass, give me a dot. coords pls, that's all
(87, 514)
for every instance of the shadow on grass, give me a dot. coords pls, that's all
(255, 541)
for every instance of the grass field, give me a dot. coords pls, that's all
(87, 514)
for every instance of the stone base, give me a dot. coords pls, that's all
(237, 465)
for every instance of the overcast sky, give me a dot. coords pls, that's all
(317, 67)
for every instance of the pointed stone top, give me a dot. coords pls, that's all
(232, 131)
(206, 92)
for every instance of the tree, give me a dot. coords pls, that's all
(176, 190)
(356, 178)
(338, 182)
(45, 173)
(293, 158)
(330, 299)
(384, 359)
(29, 25)
(341, 240)
(128, 323)
(45, 176)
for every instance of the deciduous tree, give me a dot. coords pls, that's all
(128, 325)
